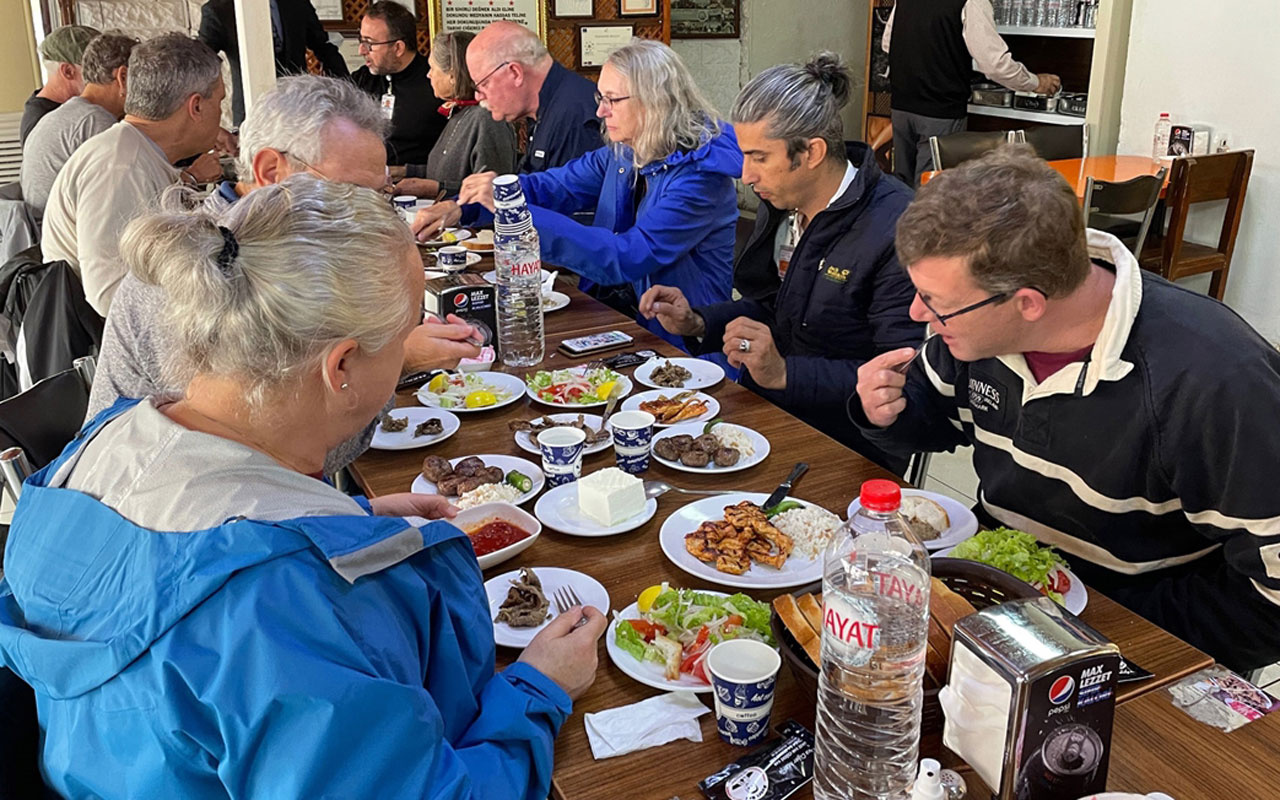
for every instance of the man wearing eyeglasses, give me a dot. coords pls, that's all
(1126, 421)
(395, 74)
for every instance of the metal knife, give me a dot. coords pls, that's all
(784, 487)
(610, 404)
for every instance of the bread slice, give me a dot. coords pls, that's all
(927, 518)
(811, 607)
(946, 606)
(798, 626)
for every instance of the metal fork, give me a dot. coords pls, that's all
(566, 598)
(902, 368)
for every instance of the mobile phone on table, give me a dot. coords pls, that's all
(594, 343)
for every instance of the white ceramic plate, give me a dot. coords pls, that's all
(633, 402)
(649, 673)
(554, 301)
(558, 509)
(524, 440)
(759, 444)
(492, 276)
(797, 571)
(1075, 599)
(513, 385)
(963, 523)
(588, 589)
(704, 373)
(507, 463)
(478, 515)
(405, 440)
(461, 233)
(621, 388)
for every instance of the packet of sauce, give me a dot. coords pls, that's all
(774, 771)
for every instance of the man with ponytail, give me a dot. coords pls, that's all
(822, 290)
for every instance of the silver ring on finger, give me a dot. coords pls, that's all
(744, 345)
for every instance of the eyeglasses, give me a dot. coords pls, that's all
(365, 44)
(492, 72)
(942, 318)
(304, 165)
(608, 102)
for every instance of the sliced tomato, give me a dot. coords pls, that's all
(1059, 581)
(699, 671)
(647, 629)
(733, 621)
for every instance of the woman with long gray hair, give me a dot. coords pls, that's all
(662, 190)
(199, 616)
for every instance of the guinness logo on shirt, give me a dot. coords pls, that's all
(836, 274)
(984, 396)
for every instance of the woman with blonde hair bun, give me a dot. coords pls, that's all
(199, 616)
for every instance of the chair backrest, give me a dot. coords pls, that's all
(954, 149)
(44, 418)
(1135, 196)
(1200, 179)
(19, 740)
(1056, 142)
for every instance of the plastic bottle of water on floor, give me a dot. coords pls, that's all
(519, 265)
(875, 598)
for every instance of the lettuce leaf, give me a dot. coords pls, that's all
(1015, 552)
(630, 640)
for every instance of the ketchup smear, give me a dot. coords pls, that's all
(493, 536)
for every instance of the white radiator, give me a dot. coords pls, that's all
(10, 150)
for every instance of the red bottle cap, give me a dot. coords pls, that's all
(880, 495)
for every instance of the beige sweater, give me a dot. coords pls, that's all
(108, 181)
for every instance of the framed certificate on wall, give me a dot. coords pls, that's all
(465, 15)
(568, 9)
(596, 42)
(638, 8)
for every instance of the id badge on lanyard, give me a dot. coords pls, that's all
(388, 102)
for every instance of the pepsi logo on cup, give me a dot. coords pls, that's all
(1061, 690)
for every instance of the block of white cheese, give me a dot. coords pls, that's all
(609, 496)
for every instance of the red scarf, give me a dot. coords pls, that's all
(447, 108)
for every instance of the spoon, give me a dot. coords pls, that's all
(654, 489)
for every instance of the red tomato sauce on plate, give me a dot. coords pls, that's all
(495, 535)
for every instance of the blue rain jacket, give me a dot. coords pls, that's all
(680, 234)
(317, 657)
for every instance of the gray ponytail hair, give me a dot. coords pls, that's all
(315, 262)
(801, 102)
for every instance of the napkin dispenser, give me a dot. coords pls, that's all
(1030, 700)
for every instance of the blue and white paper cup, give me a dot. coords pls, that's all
(632, 436)
(452, 258)
(743, 673)
(561, 454)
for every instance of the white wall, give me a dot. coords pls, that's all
(1217, 63)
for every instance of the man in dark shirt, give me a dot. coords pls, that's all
(62, 52)
(396, 75)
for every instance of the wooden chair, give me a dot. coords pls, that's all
(1104, 199)
(1056, 142)
(1201, 179)
(954, 149)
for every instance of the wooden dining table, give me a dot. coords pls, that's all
(628, 563)
(1114, 169)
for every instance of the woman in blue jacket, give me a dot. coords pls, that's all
(662, 191)
(200, 617)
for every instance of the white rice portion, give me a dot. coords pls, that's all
(489, 493)
(810, 527)
(735, 437)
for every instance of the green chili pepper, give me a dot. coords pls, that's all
(785, 505)
(519, 480)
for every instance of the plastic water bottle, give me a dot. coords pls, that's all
(1160, 142)
(875, 597)
(519, 265)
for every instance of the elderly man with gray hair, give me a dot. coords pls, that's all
(61, 132)
(171, 112)
(307, 123)
(822, 290)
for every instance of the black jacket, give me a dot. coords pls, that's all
(567, 126)
(844, 300)
(1152, 465)
(300, 29)
(416, 121)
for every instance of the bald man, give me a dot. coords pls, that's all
(517, 79)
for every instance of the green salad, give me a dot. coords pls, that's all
(575, 386)
(682, 626)
(1019, 554)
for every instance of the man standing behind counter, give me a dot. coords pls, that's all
(930, 45)
(395, 74)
